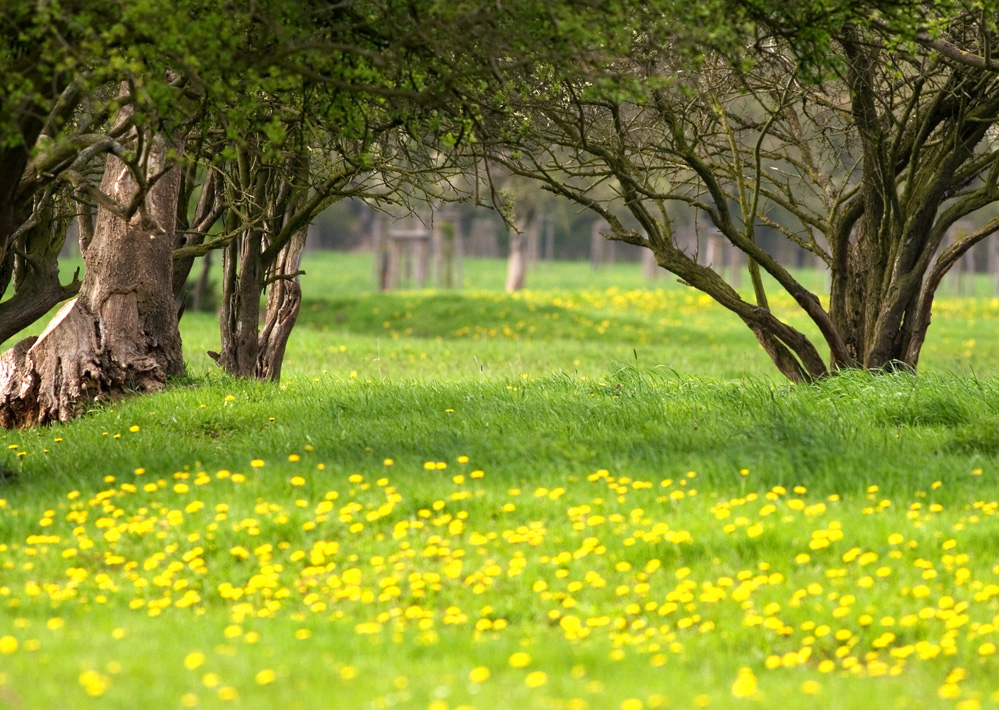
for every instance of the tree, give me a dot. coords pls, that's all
(95, 89)
(265, 97)
(872, 152)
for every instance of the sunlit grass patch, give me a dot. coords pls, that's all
(639, 541)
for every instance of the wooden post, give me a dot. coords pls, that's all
(437, 254)
(596, 245)
(549, 239)
(459, 252)
(993, 263)
(736, 261)
(650, 268)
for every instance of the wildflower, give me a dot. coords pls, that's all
(94, 684)
(193, 660)
(745, 683)
(479, 675)
(520, 659)
(536, 679)
(265, 677)
(134, 428)
(811, 687)
(257, 463)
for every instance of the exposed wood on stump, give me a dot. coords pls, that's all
(120, 334)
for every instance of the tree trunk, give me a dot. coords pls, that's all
(517, 266)
(284, 298)
(35, 274)
(201, 296)
(240, 316)
(120, 334)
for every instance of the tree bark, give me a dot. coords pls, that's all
(284, 298)
(240, 314)
(35, 273)
(120, 334)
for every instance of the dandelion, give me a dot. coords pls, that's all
(536, 679)
(94, 684)
(265, 677)
(257, 463)
(8, 645)
(520, 659)
(294, 458)
(134, 428)
(745, 683)
(479, 675)
(193, 660)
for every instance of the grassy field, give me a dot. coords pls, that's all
(588, 495)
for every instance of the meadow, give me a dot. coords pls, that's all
(593, 494)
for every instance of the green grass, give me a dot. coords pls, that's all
(624, 493)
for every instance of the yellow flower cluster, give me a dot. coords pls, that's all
(645, 569)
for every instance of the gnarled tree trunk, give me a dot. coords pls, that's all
(120, 334)
(34, 270)
(284, 298)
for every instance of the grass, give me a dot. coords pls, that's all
(462, 500)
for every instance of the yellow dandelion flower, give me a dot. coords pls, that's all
(479, 675)
(8, 644)
(265, 677)
(811, 687)
(94, 684)
(193, 660)
(257, 463)
(745, 683)
(520, 659)
(298, 481)
(536, 679)
(294, 458)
